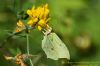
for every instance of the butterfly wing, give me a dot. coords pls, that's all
(54, 47)
(60, 47)
(48, 48)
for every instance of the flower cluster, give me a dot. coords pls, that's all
(19, 59)
(20, 26)
(38, 18)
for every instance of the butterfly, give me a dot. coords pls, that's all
(54, 47)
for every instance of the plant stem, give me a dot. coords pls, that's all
(27, 36)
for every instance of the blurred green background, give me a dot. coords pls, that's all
(76, 22)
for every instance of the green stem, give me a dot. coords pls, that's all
(27, 36)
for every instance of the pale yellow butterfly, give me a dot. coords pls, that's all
(54, 47)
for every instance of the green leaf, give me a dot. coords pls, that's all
(14, 52)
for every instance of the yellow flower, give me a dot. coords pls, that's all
(20, 23)
(32, 22)
(20, 26)
(38, 17)
(17, 30)
(42, 24)
(39, 28)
